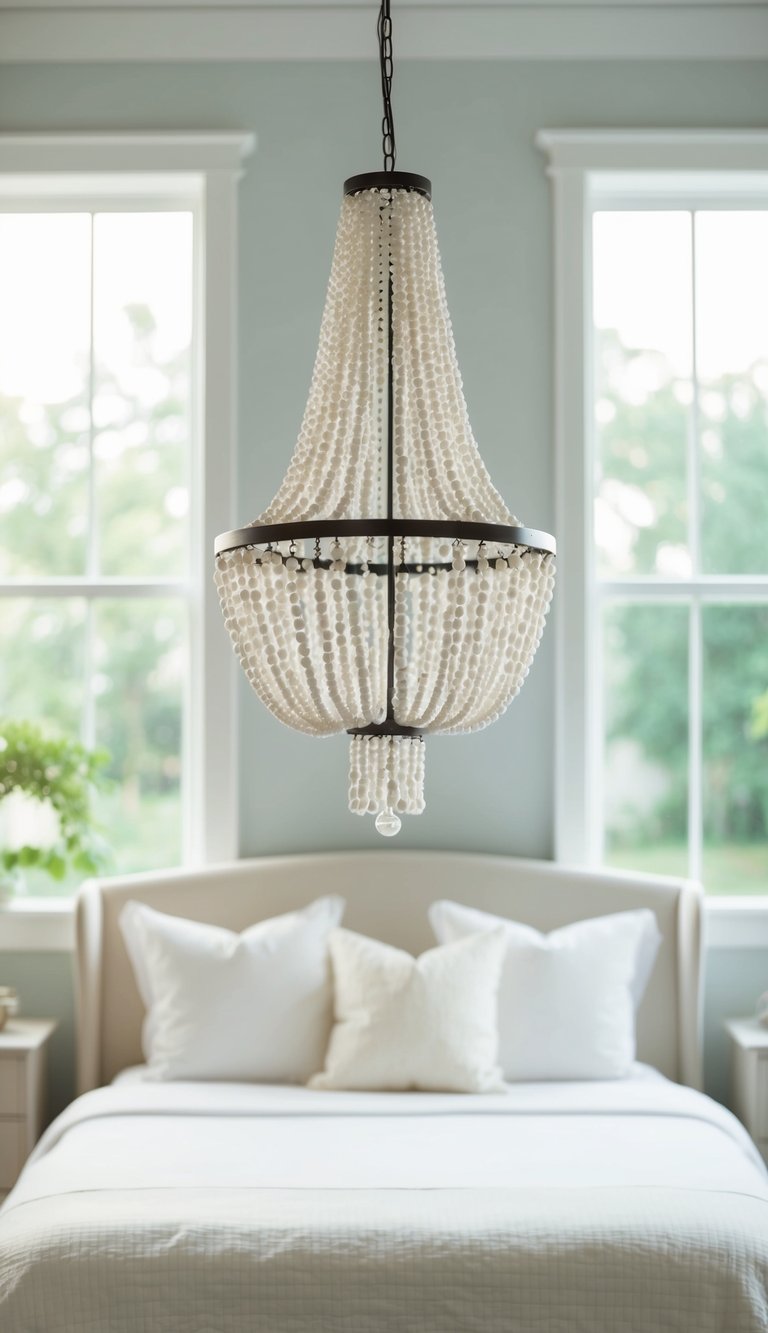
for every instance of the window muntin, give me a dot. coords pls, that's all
(96, 339)
(680, 430)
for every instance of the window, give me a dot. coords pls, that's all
(112, 286)
(680, 395)
(95, 431)
(670, 470)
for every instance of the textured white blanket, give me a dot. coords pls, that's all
(607, 1208)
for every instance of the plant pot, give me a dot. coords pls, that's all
(11, 883)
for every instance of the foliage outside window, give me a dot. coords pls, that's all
(681, 487)
(95, 339)
(46, 787)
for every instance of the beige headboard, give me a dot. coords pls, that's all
(388, 893)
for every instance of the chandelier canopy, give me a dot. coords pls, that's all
(387, 591)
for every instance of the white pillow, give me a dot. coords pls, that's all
(404, 1022)
(567, 1000)
(255, 1006)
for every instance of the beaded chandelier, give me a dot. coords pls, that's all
(387, 591)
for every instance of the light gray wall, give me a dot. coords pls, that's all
(45, 985)
(470, 127)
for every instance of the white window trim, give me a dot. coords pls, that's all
(579, 163)
(208, 166)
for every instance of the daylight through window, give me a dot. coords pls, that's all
(96, 322)
(680, 413)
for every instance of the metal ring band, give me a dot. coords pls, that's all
(498, 533)
(388, 180)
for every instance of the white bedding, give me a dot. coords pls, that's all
(553, 1208)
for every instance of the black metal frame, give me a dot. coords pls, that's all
(391, 586)
(261, 534)
(388, 180)
(387, 728)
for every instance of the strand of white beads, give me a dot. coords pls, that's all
(444, 469)
(334, 469)
(244, 618)
(312, 642)
(337, 465)
(386, 773)
(519, 630)
(464, 640)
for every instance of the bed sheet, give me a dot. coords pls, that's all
(608, 1207)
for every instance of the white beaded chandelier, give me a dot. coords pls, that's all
(387, 591)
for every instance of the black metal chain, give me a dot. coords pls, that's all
(386, 62)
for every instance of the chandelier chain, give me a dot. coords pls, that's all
(386, 62)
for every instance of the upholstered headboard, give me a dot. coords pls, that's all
(388, 893)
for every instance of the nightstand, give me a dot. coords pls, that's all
(749, 1075)
(22, 1092)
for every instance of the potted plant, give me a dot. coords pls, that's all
(46, 784)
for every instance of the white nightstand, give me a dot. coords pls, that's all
(749, 1074)
(22, 1092)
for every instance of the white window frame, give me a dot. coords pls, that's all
(593, 169)
(199, 172)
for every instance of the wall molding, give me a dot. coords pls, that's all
(654, 151)
(192, 152)
(60, 32)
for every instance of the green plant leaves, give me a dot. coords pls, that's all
(56, 769)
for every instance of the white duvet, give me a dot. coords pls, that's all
(554, 1208)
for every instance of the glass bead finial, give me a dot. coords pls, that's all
(387, 823)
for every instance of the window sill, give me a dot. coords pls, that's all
(736, 923)
(47, 925)
(37, 925)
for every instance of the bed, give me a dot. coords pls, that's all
(634, 1204)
